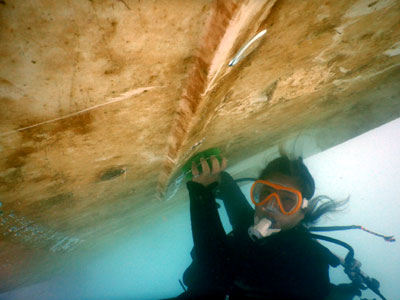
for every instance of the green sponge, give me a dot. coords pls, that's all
(187, 168)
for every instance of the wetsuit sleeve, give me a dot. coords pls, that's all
(209, 238)
(239, 211)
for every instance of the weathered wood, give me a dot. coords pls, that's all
(101, 103)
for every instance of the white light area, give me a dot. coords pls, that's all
(149, 265)
(368, 169)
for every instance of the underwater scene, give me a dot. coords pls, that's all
(150, 263)
(199, 149)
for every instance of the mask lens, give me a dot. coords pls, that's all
(261, 192)
(288, 199)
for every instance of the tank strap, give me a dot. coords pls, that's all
(387, 238)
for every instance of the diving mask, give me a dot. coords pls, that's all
(288, 199)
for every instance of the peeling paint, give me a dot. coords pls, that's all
(104, 158)
(336, 39)
(173, 188)
(394, 50)
(340, 82)
(343, 70)
(365, 7)
(308, 79)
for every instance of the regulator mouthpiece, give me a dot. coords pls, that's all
(261, 229)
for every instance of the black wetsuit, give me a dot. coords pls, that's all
(286, 265)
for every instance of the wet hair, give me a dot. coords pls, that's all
(293, 168)
(296, 168)
(319, 206)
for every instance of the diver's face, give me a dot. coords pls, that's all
(271, 211)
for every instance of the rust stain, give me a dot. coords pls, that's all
(79, 124)
(11, 179)
(17, 158)
(60, 201)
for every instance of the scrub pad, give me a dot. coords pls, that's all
(187, 168)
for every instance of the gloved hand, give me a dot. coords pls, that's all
(357, 277)
(352, 269)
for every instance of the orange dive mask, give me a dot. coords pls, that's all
(289, 199)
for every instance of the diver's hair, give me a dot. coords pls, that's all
(321, 205)
(294, 168)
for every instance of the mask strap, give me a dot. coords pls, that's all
(305, 203)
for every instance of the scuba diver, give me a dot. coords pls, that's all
(270, 252)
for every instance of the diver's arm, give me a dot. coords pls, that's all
(210, 241)
(209, 238)
(239, 211)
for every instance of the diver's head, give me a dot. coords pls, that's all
(280, 193)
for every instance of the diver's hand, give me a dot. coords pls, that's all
(208, 176)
